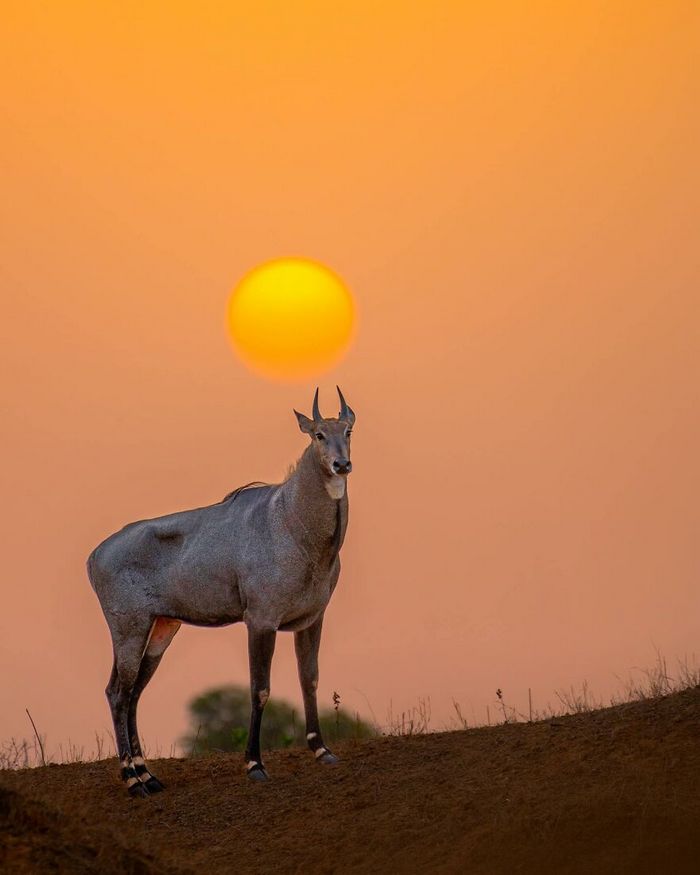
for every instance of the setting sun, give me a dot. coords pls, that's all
(291, 318)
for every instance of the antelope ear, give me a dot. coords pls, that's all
(305, 424)
(348, 416)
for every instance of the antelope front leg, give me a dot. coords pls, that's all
(306, 644)
(261, 646)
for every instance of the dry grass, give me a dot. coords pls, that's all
(414, 721)
(641, 684)
(24, 754)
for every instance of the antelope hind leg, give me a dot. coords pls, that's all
(162, 633)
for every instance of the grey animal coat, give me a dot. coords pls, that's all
(265, 555)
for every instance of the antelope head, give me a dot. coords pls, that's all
(330, 439)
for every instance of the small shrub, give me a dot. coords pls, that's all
(219, 720)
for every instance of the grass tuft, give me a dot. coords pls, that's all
(651, 683)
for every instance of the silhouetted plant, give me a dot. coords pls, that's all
(219, 720)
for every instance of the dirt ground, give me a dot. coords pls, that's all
(613, 791)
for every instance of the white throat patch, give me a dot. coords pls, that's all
(335, 486)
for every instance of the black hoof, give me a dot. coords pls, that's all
(327, 758)
(257, 773)
(138, 791)
(153, 785)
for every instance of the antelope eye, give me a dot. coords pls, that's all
(320, 436)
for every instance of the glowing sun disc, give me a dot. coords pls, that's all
(291, 318)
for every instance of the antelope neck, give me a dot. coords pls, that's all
(311, 510)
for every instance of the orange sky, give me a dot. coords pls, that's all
(511, 190)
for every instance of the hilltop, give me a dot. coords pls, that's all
(614, 790)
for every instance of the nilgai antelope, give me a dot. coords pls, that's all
(267, 555)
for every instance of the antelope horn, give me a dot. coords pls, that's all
(345, 411)
(316, 413)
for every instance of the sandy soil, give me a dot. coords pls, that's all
(613, 791)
